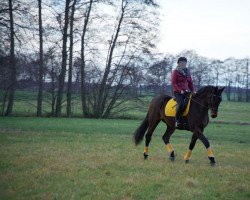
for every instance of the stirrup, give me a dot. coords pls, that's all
(177, 124)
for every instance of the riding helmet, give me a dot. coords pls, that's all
(182, 59)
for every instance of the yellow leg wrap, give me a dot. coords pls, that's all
(146, 150)
(188, 155)
(170, 148)
(210, 152)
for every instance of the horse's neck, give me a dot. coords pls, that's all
(201, 101)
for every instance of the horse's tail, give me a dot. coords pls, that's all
(140, 131)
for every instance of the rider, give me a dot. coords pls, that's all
(182, 83)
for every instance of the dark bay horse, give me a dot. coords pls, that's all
(207, 98)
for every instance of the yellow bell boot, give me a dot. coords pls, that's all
(210, 155)
(145, 152)
(170, 150)
(187, 156)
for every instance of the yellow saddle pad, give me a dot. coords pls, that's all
(170, 109)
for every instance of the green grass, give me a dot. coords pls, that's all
(234, 112)
(59, 158)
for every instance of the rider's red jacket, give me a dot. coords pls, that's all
(181, 82)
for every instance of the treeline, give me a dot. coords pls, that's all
(102, 42)
(231, 72)
(103, 50)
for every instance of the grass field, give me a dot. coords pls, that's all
(52, 158)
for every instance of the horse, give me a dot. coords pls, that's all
(207, 98)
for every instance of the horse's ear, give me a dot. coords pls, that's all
(221, 90)
(215, 89)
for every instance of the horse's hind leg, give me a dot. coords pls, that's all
(151, 128)
(169, 146)
(191, 147)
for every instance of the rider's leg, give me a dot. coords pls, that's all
(179, 109)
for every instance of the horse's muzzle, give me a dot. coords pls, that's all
(213, 114)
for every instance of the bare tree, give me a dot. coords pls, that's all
(52, 72)
(247, 71)
(229, 67)
(40, 83)
(156, 75)
(125, 51)
(239, 78)
(217, 70)
(12, 63)
(101, 96)
(83, 60)
(69, 91)
(64, 60)
(159, 73)
(170, 62)
(4, 81)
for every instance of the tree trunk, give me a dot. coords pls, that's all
(40, 87)
(53, 97)
(229, 91)
(83, 86)
(247, 82)
(4, 101)
(69, 92)
(64, 61)
(117, 92)
(12, 63)
(101, 101)
(239, 94)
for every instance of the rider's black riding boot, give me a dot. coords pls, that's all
(178, 116)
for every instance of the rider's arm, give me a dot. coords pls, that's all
(190, 84)
(174, 82)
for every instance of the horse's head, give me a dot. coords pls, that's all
(214, 100)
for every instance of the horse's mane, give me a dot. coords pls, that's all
(203, 90)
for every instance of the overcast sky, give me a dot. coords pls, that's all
(213, 28)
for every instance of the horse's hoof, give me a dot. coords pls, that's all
(172, 156)
(145, 156)
(212, 161)
(186, 161)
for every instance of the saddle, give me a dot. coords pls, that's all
(170, 109)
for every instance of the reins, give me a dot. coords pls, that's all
(200, 103)
(189, 97)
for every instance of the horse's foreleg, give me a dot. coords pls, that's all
(209, 149)
(169, 146)
(191, 147)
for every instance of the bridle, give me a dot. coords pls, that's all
(212, 96)
(207, 107)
